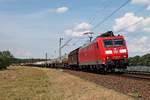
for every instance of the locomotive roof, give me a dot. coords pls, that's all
(108, 34)
(119, 36)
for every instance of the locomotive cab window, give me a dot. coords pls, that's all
(119, 42)
(108, 43)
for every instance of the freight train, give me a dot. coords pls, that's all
(107, 53)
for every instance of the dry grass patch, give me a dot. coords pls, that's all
(21, 83)
(25, 83)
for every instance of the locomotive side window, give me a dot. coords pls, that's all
(119, 42)
(108, 43)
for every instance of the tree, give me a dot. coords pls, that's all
(146, 60)
(137, 60)
(5, 59)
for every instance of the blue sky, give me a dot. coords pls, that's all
(29, 28)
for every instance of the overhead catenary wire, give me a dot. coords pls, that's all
(106, 18)
(65, 44)
(129, 26)
(93, 18)
(74, 43)
(111, 14)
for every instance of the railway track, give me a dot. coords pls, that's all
(129, 74)
(138, 75)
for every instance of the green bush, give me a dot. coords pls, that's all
(140, 60)
(5, 59)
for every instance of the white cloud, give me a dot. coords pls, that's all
(127, 20)
(61, 10)
(139, 46)
(148, 7)
(57, 10)
(79, 29)
(40, 14)
(142, 2)
(146, 29)
(131, 23)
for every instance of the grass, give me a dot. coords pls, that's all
(25, 83)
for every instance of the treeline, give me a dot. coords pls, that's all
(140, 60)
(5, 59)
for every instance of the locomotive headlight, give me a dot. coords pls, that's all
(122, 50)
(108, 52)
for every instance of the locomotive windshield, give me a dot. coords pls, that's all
(119, 42)
(116, 42)
(108, 43)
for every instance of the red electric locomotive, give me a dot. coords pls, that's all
(107, 53)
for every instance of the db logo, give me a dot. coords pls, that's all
(115, 50)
